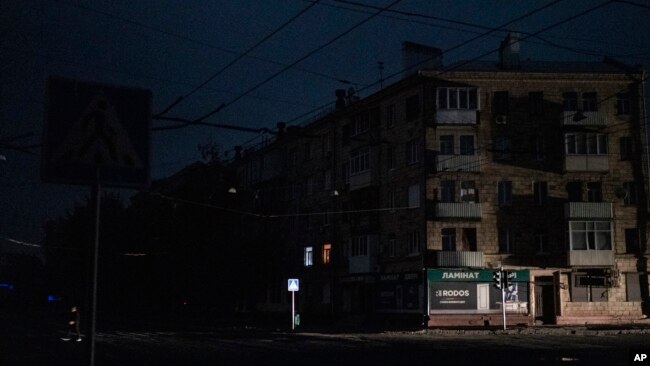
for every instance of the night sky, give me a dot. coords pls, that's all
(171, 47)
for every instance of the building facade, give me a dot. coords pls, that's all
(403, 203)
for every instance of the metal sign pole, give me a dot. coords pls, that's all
(293, 310)
(503, 297)
(92, 310)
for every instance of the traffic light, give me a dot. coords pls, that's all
(496, 277)
(509, 277)
(505, 276)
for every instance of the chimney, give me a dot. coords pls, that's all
(509, 52)
(416, 57)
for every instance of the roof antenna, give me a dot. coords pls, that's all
(380, 65)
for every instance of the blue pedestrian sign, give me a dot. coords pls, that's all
(96, 133)
(293, 284)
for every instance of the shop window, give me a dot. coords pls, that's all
(587, 287)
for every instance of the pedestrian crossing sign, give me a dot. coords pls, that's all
(293, 284)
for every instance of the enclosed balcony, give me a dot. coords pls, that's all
(588, 210)
(586, 163)
(458, 163)
(456, 117)
(590, 258)
(580, 118)
(461, 210)
(460, 259)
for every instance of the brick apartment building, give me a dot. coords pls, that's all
(403, 202)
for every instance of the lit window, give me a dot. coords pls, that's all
(309, 256)
(327, 248)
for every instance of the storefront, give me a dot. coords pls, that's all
(400, 292)
(452, 291)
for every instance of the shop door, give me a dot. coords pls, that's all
(544, 299)
(483, 300)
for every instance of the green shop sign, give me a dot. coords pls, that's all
(468, 275)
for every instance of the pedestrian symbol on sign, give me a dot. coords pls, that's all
(293, 284)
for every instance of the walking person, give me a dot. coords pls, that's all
(73, 325)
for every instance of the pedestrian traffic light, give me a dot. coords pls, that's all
(496, 277)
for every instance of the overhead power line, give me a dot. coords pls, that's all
(236, 59)
(309, 54)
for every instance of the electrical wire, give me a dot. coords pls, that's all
(236, 59)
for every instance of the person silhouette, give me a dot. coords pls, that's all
(73, 325)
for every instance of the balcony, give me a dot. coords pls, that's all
(586, 163)
(461, 210)
(456, 117)
(590, 258)
(454, 163)
(588, 210)
(360, 180)
(592, 119)
(460, 259)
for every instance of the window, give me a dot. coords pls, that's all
(469, 239)
(359, 246)
(586, 143)
(633, 286)
(540, 149)
(468, 192)
(447, 191)
(457, 98)
(505, 245)
(327, 144)
(590, 235)
(631, 194)
(505, 193)
(503, 148)
(293, 157)
(574, 191)
(412, 152)
(414, 196)
(390, 115)
(360, 123)
(327, 180)
(632, 243)
(414, 242)
(535, 103)
(390, 158)
(327, 249)
(594, 192)
(345, 170)
(587, 287)
(412, 107)
(589, 102)
(309, 256)
(359, 161)
(541, 241)
(500, 103)
(540, 192)
(391, 199)
(622, 103)
(448, 239)
(627, 148)
(447, 145)
(570, 101)
(467, 145)
(392, 246)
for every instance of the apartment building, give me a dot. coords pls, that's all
(404, 202)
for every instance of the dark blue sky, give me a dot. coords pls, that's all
(170, 47)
